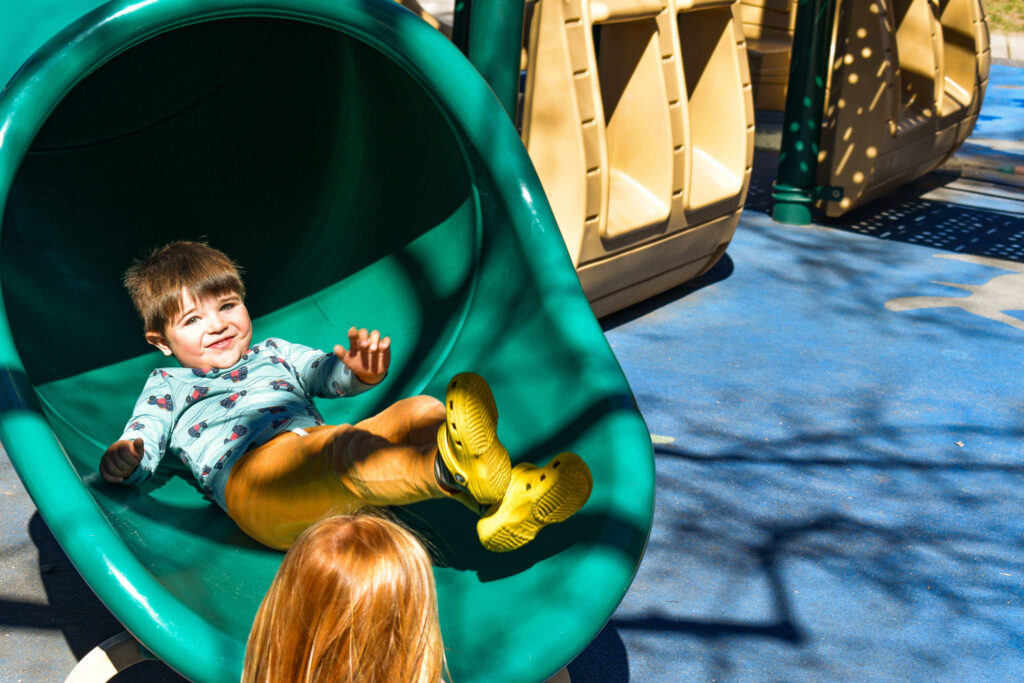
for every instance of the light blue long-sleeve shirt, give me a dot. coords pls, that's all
(211, 417)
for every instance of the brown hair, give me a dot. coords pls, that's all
(353, 600)
(155, 282)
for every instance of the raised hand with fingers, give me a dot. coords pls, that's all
(368, 355)
(121, 459)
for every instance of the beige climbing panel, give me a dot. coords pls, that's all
(424, 14)
(638, 117)
(906, 85)
(768, 27)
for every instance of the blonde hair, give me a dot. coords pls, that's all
(155, 282)
(353, 600)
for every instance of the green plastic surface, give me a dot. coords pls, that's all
(363, 173)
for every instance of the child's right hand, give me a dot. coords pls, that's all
(121, 459)
(368, 355)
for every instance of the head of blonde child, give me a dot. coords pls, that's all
(353, 600)
(191, 299)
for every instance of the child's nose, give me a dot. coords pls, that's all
(215, 323)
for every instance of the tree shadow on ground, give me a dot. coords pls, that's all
(720, 271)
(827, 537)
(992, 225)
(604, 661)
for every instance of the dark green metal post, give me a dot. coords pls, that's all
(795, 189)
(460, 25)
(490, 33)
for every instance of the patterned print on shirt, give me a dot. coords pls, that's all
(237, 375)
(197, 393)
(273, 410)
(236, 432)
(164, 402)
(231, 400)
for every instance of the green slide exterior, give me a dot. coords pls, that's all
(362, 172)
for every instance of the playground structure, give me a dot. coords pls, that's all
(768, 26)
(360, 169)
(639, 120)
(906, 84)
(647, 170)
(884, 93)
(637, 115)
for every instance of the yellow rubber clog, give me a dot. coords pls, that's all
(536, 497)
(468, 440)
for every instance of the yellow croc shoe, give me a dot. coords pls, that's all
(468, 440)
(536, 497)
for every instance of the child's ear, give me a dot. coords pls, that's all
(157, 340)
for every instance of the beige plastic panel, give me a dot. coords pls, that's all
(966, 74)
(426, 16)
(768, 26)
(905, 88)
(720, 110)
(636, 102)
(639, 119)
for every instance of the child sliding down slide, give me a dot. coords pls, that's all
(241, 416)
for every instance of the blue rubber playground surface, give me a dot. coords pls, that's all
(840, 482)
(838, 414)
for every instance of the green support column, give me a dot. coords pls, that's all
(460, 25)
(490, 33)
(795, 189)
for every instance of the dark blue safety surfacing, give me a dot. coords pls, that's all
(840, 483)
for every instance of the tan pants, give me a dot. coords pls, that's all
(281, 488)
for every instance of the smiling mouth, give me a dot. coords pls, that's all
(223, 343)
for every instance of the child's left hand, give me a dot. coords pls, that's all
(368, 355)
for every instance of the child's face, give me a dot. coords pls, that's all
(212, 333)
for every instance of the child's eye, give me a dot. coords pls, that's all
(228, 306)
(193, 319)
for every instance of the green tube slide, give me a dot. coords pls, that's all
(363, 173)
